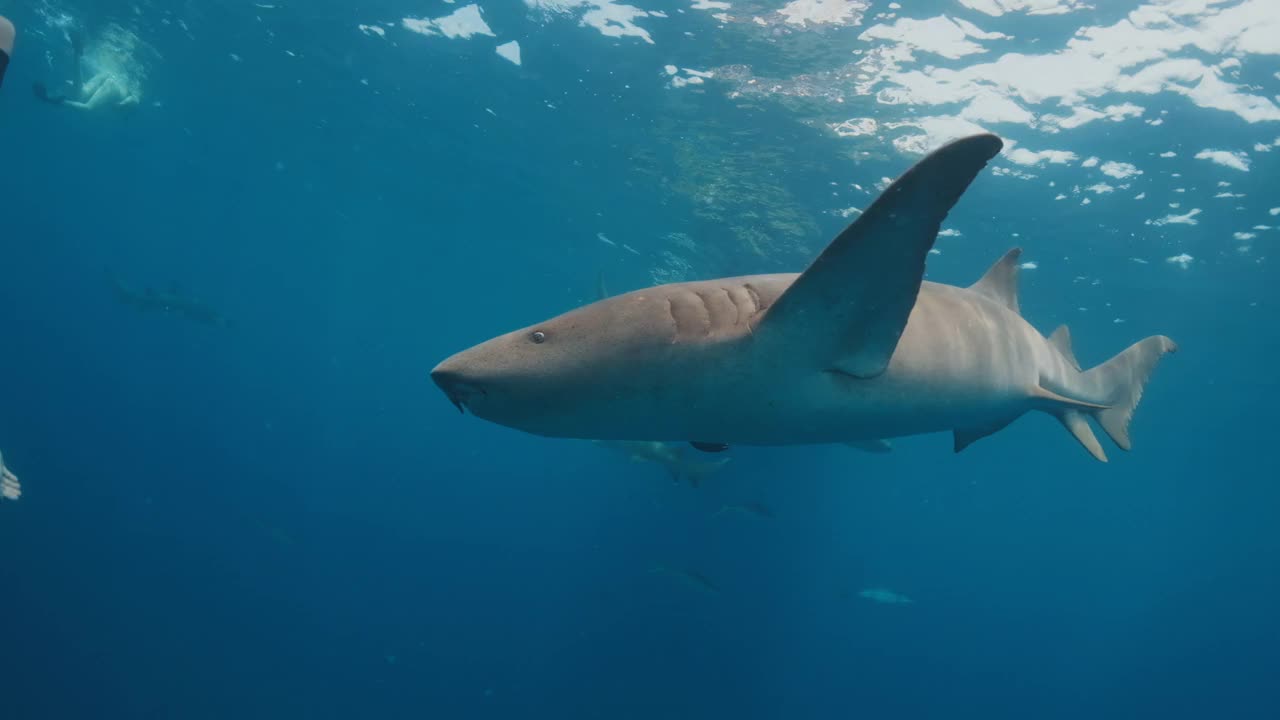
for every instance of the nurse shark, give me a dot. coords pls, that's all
(857, 348)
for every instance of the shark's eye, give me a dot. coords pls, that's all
(538, 336)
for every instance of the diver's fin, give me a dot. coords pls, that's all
(849, 308)
(1076, 424)
(1001, 281)
(871, 446)
(1121, 379)
(1061, 340)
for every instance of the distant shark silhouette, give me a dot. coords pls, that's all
(671, 456)
(750, 507)
(169, 302)
(856, 348)
(691, 578)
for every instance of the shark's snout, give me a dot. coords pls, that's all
(457, 386)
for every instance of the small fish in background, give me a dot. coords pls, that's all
(884, 596)
(10, 487)
(171, 302)
(669, 455)
(691, 578)
(755, 509)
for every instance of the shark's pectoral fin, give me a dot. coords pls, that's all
(964, 437)
(849, 308)
(871, 446)
(709, 447)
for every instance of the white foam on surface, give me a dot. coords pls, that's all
(1234, 160)
(463, 23)
(1031, 7)
(824, 12)
(939, 35)
(1187, 219)
(509, 51)
(611, 19)
(1119, 170)
(1023, 156)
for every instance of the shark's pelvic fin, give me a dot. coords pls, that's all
(1067, 410)
(1061, 341)
(1001, 281)
(849, 308)
(964, 437)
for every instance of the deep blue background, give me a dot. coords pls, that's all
(284, 519)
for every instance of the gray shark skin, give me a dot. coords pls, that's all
(856, 348)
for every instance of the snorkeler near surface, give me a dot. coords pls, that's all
(10, 488)
(105, 89)
(7, 33)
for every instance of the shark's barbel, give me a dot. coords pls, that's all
(856, 348)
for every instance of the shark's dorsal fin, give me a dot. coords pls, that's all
(1061, 340)
(1001, 281)
(849, 308)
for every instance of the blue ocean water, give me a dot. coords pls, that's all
(256, 504)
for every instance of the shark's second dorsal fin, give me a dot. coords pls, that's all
(1061, 341)
(850, 307)
(1001, 281)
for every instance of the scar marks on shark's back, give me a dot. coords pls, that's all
(690, 314)
(713, 311)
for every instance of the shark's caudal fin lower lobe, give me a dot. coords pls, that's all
(1122, 378)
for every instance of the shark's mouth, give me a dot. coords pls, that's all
(461, 394)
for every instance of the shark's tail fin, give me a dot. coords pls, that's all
(1121, 380)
